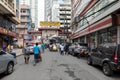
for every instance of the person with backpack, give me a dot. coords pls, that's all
(37, 54)
(26, 54)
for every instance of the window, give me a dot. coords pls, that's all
(108, 35)
(24, 11)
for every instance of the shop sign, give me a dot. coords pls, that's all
(3, 31)
(46, 23)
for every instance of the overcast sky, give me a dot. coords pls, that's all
(41, 10)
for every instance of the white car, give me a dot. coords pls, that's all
(7, 62)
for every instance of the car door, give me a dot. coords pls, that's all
(94, 56)
(101, 55)
(3, 61)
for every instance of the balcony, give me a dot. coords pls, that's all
(7, 8)
(25, 14)
(25, 20)
(21, 26)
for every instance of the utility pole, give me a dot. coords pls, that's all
(24, 35)
(64, 23)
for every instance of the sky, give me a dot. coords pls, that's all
(41, 10)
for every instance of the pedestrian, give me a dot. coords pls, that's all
(61, 49)
(26, 54)
(43, 47)
(37, 54)
(66, 48)
(4, 47)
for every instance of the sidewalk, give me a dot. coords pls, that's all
(18, 52)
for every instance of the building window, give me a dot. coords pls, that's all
(108, 35)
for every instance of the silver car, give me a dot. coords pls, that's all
(7, 62)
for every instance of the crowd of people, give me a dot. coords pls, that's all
(37, 50)
(63, 48)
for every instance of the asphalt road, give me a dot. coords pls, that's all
(57, 67)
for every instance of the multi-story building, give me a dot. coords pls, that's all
(27, 2)
(33, 4)
(8, 21)
(48, 10)
(58, 11)
(96, 22)
(34, 12)
(25, 25)
(65, 17)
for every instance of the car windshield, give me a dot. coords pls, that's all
(83, 44)
(107, 49)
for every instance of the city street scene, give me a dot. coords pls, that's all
(59, 39)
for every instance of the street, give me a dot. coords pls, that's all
(57, 67)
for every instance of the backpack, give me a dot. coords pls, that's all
(26, 50)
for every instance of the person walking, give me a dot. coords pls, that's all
(26, 54)
(61, 49)
(37, 54)
(66, 48)
(43, 47)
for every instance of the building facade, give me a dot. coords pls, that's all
(34, 13)
(8, 21)
(48, 10)
(96, 22)
(33, 4)
(24, 26)
(56, 10)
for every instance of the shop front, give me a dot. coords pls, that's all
(6, 38)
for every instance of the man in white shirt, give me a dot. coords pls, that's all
(61, 49)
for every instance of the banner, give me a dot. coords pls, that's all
(46, 23)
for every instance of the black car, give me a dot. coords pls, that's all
(106, 56)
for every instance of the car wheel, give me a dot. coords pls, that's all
(10, 68)
(89, 61)
(107, 70)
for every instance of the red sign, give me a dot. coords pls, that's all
(3, 30)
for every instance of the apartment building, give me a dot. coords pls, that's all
(25, 25)
(8, 21)
(96, 22)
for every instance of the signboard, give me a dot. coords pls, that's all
(46, 23)
(3, 30)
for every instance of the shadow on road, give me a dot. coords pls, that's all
(2, 75)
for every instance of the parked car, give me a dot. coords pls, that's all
(107, 56)
(78, 49)
(71, 49)
(83, 49)
(7, 62)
